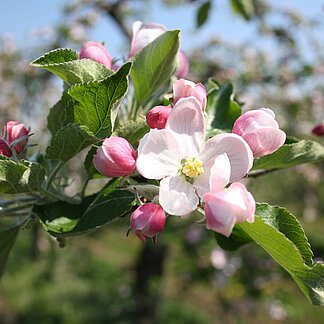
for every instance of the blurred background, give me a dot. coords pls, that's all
(273, 53)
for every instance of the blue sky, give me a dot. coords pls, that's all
(18, 18)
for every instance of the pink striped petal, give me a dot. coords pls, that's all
(177, 196)
(187, 119)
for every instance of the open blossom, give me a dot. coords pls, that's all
(158, 116)
(184, 88)
(4, 148)
(96, 52)
(183, 68)
(187, 166)
(115, 158)
(225, 208)
(147, 221)
(14, 132)
(260, 130)
(143, 34)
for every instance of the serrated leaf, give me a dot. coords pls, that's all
(132, 130)
(237, 239)
(99, 101)
(60, 114)
(63, 219)
(289, 155)
(223, 107)
(69, 141)
(154, 65)
(20, 177)
(280, 234)
(7, 240)
(64, 63)
(203, 13)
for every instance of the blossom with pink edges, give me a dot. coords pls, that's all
(14, 132)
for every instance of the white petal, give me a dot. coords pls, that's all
(237, 150)
(159, 154)
(177, 196)
(187, 119)
(216, 175)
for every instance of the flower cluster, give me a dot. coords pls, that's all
(193, 171)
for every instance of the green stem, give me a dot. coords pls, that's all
(53, 174)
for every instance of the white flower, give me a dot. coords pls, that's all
(187, 166)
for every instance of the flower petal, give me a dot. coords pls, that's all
(220, 216)
(177, 196)
(264, 141)
(187, 119)
(237, 150)
(215, 177)
(159, 154)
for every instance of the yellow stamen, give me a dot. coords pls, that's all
(192, 168)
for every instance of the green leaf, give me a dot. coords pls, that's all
(88, 164)
(64, 219)
(7, 240)
(64, 63)
(60, 114)
(237, 239)
(20, 177)
(132, 130)
(225, 109)
(244, 8)
(280, 234)
(154, 65)
(203, 13)
(289, 155)
(99, 101)
(69, 141)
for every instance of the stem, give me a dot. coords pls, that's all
(53, 174)
(257, 174)
(85, 187)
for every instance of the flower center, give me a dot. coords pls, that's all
(192, 168)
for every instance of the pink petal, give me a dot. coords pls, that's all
(159, 154)
(187, 119)
(220, 217)
(237, 150)
(255, 119)
(177, 196)
(264, 141)
(215, 177)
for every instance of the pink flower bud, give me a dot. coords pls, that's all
(12, 132)
(184, 88)
(96, 52)
(115, 158)
(147, 221)
(143, 34)
(260, 130)
(183, 68)
(4, 148)
(318, 130)
(225, 208)
(158, 116)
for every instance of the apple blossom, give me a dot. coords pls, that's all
(96, 52)
(4, 148)
(14, 132)
(147, 221)
(143, 34)
(158, 116)
(115, 158)
(225, 208)
(187, 166)
(184, 88)
(260, 130)
(183, 68)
